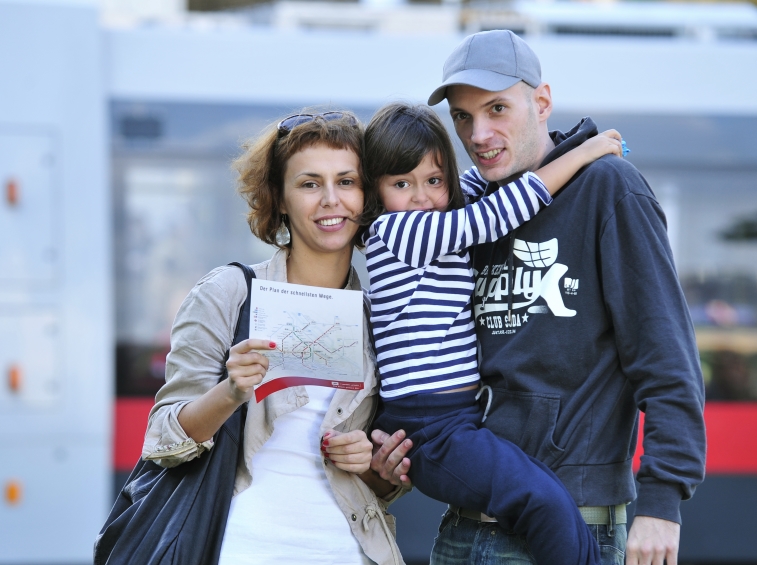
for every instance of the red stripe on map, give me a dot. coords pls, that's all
(285, 382)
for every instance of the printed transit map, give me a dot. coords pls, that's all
(308, 347)
(318, 335)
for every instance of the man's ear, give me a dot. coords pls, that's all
(543, 101)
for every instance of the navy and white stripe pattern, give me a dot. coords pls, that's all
(421, 282)
(473, 184)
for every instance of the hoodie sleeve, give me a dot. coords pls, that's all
(655, 342)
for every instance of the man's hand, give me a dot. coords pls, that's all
(389, 459)
(652, 541)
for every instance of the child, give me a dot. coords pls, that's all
(421, 282)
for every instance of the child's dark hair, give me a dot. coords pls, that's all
(397, 139)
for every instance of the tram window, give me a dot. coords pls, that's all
(712, 218)
(177, 216)
(177, 220)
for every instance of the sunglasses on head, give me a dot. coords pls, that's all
(288, 124)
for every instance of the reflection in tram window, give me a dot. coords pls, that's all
(178, 220)
(729, 375)
(722, 299)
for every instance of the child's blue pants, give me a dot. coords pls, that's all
(457, 462)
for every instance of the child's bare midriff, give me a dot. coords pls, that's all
(461, 389)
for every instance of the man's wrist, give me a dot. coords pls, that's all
(381, 487)
(659, 500)
(394, 494)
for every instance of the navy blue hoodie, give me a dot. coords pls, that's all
(598, 329)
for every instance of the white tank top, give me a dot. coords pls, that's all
(289, 513)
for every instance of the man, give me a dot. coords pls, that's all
(581, 323)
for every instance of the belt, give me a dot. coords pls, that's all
(591, 514)
(471, 514)
(601, 514)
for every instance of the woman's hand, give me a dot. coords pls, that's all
(204, 416)
(247, 367)
(351, 451)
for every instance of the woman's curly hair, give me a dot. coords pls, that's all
(262, 166)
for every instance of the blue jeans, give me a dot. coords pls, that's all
(462, 541)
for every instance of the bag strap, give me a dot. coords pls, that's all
(242, 331)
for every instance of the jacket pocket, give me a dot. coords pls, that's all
(527, 419)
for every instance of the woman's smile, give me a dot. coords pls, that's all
(333, 223)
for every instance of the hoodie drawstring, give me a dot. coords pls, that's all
(488, 390)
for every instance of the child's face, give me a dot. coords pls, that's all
(423, 188)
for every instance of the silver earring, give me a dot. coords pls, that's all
(282, 234)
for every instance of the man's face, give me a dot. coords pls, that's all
(500, 130)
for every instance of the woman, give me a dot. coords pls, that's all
(292, 503)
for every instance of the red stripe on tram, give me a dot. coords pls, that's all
(731, 435)
(129, 431)
(731, 438)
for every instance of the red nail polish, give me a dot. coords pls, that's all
(325, 442)
(272, 344)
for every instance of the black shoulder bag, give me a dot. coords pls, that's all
(178, 516)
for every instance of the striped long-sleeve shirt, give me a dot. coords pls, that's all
(421, 282)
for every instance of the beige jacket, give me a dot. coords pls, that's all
(201, 334)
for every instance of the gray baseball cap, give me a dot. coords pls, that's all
(489, 60)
